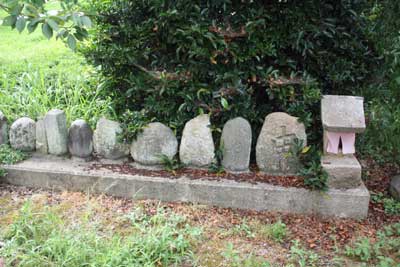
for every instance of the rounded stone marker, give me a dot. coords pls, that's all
(197, 145)
(80, 139)
(3, 129)
(55, 123)
(155, 140)
(23, 134)
(236, 142)
(106, 141)
(276, 142)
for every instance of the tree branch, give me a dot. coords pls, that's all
(6, 8)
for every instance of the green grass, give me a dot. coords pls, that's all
(43, 238)
(37, 75)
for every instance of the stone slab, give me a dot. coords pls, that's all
(341, 113)
(55, 123)
(50, 172)
(41, 137)
(343, 171)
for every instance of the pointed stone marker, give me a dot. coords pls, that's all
(236, 143)
(23, 134)
(197, 145)
(3, 129)
(41, 138)
(80, 139)
(55, 123)
(106, 141)
(276, 142)
(155, 140)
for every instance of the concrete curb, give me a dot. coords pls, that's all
(65, 174)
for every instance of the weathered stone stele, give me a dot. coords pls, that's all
(236, 144)
(3, 129)
(23, 134)
(197, 145)
(55, 123)
(41, 138)
(394, 187)
(80, 139)
(106, 140)
(155, 140)
(274, 149)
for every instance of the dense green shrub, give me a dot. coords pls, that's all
(172, 60)
(382, 138)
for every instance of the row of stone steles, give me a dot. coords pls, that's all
(274, 149)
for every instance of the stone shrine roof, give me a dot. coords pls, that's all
(343, 113)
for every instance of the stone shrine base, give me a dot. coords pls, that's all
(66, 174)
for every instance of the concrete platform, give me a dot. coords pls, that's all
(65, 174)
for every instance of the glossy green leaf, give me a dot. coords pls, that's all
(20, 24)
(86, 21)
(53, 24)
(224, 103)
(71, 41)
(10, 20)
(47, 30)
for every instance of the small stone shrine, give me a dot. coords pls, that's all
(342, 118)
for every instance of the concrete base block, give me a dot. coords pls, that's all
(64, 174)
(344, 171)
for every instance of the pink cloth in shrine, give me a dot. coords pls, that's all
(348, 141)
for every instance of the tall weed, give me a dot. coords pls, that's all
(32, 93)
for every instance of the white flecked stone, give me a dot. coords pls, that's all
(23, 134)
(106, 142)
(155, 140)
(197, 145)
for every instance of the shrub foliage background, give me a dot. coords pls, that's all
(171, 60)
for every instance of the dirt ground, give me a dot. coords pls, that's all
(242, 230)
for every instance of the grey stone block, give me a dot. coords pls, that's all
(275, 144)
(106, 140)
(23, 134)
(62, 174)
(394, 187)
(155, 140)
(80, 139)
(55, 123)
(3, 129)
(41, 137)
(344, 171)
(343, 113)
(236, 142)
(197, 145)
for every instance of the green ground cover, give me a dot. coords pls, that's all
(43, 228)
